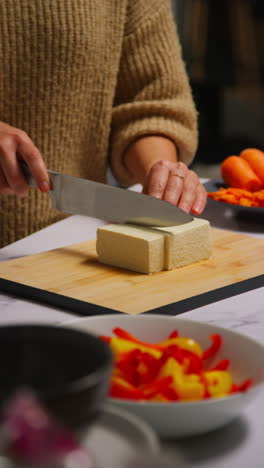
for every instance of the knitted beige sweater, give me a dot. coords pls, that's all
(84, 78)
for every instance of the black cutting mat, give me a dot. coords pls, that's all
(82, 308)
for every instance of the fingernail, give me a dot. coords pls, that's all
(197, 209)
(44, 186)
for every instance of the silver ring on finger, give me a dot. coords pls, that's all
(178, 175)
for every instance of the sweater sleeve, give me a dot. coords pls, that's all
(153, 96)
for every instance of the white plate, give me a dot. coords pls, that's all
(117, 437)
(179, 419)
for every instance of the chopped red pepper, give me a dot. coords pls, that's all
(215, 346)
(127, 365)
(195, 363)
(170, 394)
(242, 387)
(107, 339)
(128, 336)
(222, 365)
(168, 371)
(156, 386)
(234, 388)
(170, 351)
(205, 382)
(245, 385)
(151, 368)
(122, 389)
(174, 334)
(138, 367)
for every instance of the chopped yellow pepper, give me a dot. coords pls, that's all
(189, 390)
(171, 368)
(188, 387)
(118, 346)
(192, 378)
(185, 343)
(219, 383)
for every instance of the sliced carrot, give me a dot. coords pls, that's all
(255, 159)
(230, 199)
(237, 172)
(245, 202)
(259, 198)
(239, 192)
(238, 197)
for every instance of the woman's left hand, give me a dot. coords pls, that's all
(176, 184)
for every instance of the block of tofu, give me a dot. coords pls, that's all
(135, 248)
(187, 243)
(150, 250)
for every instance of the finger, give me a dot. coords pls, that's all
(157, 180)
(200, 200)
(175, 183)
(190, 185)
(4, 186)
(173, 189)
(34, 160)
(10, 167)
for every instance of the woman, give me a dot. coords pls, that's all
(85, 84)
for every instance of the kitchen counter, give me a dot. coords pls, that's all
(240, 444)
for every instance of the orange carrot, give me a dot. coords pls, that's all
(255, 159)
(237, 172)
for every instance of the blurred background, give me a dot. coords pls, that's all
(223, 48)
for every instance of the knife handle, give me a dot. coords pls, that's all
(27, 174)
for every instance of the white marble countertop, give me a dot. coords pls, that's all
(240, 444)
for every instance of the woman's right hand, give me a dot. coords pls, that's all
(16, 145)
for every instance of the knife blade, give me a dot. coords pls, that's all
(74, 195)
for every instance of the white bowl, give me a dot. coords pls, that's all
(180, 419)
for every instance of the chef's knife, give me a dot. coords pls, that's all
(85, 197)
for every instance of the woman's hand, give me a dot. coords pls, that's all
(176, 184)
(152, 160)
(15, 144)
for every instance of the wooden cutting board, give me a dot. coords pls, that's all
(74, 272)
